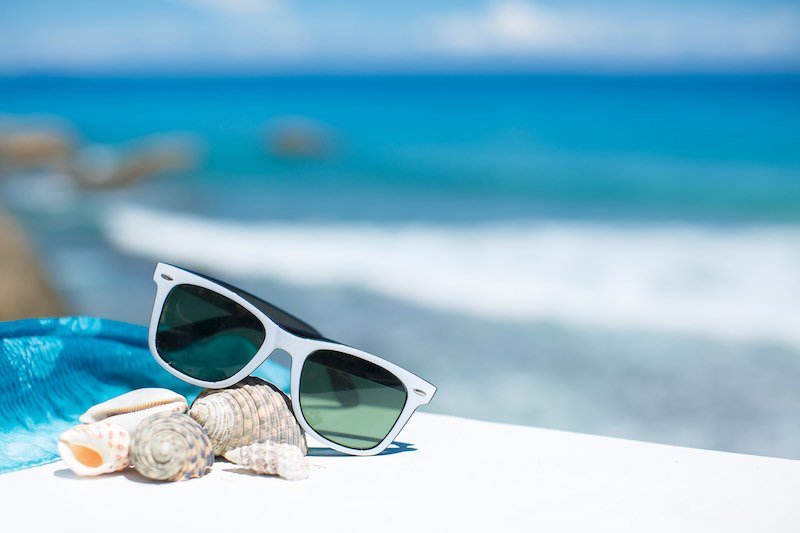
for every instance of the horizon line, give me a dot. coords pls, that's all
(387, 73)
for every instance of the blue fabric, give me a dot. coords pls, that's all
(53, 369)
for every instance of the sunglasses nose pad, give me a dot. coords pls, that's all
(276, 369)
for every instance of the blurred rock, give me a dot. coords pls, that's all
(33, 143)
(24, 290)
(299, 138)
(104, 166)
(25, 148)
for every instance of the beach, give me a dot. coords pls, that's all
(547, 257)
(497, 265)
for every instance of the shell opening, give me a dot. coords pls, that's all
(85, 455)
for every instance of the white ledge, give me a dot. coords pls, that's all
(463, 475)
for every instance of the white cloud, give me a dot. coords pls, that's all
(507, 26)
(522, 28)
(263, 34)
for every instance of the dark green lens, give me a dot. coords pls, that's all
(205, 335)
(348, 400)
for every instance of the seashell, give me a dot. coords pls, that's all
(171, 447)
(251, 411)
(285, 460)
(94, 449)
(129, 409)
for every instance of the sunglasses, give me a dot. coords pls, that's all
(211, 334)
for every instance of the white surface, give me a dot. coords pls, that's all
(463, 476)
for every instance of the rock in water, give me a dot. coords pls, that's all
(23, 148)
(24, 288)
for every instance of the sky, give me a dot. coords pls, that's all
(197, 36)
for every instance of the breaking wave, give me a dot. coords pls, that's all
(738, 283)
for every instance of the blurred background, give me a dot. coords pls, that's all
(578, 215)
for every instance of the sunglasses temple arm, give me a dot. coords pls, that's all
(285, 320)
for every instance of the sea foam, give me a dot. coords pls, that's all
(740, 283)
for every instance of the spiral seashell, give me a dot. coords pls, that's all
(251, 411)
(94, 449)
(132, 407)
(285, 460)
(171, 447)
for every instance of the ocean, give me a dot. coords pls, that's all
(608, 254)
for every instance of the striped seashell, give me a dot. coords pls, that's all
(171, 447)
(94, 449)
(251, 411)
(285, 460)
(132, 407)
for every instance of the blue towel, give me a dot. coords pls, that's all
(54, 369)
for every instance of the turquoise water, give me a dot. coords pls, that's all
(616, 255)
(693, 146)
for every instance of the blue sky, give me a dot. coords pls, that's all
(412, 35)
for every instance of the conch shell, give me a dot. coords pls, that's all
(132, 407)
(251, 411)
(285, 460)
(94, 449)
(171, 447)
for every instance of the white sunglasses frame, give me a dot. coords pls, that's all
(418, 391)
